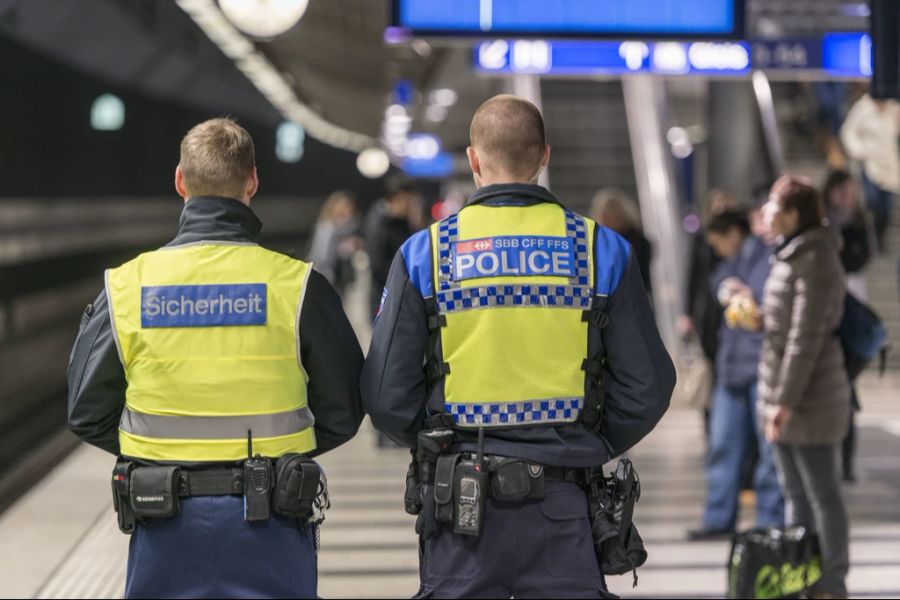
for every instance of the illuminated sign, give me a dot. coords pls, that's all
(847, 54)
(571, 57)
(839, 54)
(440, 165)
(661, 19)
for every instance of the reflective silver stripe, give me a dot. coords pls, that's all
(215, 428)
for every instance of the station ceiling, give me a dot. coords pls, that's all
(335, 59)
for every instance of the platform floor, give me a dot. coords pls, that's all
(61, 541)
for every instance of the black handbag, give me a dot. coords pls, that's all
(773, 563)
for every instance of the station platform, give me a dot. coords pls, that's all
(61, 541)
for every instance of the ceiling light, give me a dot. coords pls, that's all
(289, 138)
(443, 97)
(264, 18)
(373, 162)
(266, 78)
(107, 113)
(436, 113)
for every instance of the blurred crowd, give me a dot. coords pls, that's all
(776, 305)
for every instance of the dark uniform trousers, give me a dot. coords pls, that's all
(532, 549)
(209, 551)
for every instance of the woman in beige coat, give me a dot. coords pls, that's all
(803, 388)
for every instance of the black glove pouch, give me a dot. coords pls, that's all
(611, 503)
(618, 555)
(297, 480)
(516, 480)
(427, 525)
(154, 492)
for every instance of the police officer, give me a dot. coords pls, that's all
(202, 354)
(531, 322)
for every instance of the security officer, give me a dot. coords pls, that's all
(201, 354)
(516, 323)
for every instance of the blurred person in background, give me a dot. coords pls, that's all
(703, 313)
(847, 218)
(803, 387)
(735, 435)
(335, 239)
(871, 136)
(613, 208)
(389, 223)
(830, 99)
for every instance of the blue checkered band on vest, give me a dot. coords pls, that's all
(505, 414)
(451, 297)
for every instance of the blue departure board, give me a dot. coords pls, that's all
(695, 19)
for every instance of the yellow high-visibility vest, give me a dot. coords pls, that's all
(511, 285)
(208, 336)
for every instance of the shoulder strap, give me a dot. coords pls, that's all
(596, 317)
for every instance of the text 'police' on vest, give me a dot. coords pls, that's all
(513, 255)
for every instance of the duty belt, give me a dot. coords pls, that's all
(551, 473)
(211, 482)
(572, 474)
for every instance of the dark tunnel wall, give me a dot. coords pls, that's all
(48, 148)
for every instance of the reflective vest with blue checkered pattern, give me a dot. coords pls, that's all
(510, 286)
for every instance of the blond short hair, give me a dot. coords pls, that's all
(217, 158)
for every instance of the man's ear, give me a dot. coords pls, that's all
(252, 185)
(179, 183)
(474, 160)
(546, 160)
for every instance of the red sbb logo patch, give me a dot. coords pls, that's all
(482, 245)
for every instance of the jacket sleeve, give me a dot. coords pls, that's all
(393, 382)
(96, 380)
(333, 359)
(639, 375)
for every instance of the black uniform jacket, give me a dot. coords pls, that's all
(330, 350)
(639, 375)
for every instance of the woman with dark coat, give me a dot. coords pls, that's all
(803, 388)
(847, 217)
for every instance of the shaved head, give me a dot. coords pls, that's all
(507, 132)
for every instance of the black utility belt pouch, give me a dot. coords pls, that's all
(443, 487)
(461, 491)
(154, 492)
(298, 482)
(514, 480)
(611, 501)
(121, 491)
(412, 495)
